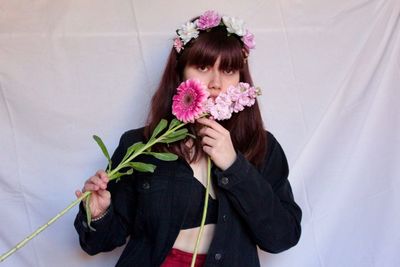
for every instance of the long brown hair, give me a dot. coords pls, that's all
(246, 127)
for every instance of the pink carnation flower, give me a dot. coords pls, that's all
(235, 99)
(189, 102)
(220, 108)
(248, 40)
(239, 97)
(208, 20)
(233, 92)
(178, 44)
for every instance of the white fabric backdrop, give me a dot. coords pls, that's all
(330, 77)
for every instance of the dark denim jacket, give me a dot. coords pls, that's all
(256, 208)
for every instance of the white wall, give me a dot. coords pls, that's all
(330, 77)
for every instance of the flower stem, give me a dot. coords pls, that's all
(40, 229)
(203, 219)
(144, 148)
(86, 194)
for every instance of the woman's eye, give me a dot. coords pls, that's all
(202, 68)
(229, 72)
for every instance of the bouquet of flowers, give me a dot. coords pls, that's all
(173, 133)
(190, 103)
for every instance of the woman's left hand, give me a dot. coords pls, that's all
(217, 143)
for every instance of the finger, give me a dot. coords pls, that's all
(91, 187)
(211, 123)
(98, 181)
(104, 193)
(78, 193)
(105, 178)
(207, 141)
(207, 131)
(103, 175)
(208, 150)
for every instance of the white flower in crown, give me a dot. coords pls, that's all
(234, 25)
(188, 31)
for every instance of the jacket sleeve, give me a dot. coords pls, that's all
(112, 230)
(264, 198)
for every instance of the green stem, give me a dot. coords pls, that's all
(144, 148)
(40, 229)
(86, 194)
(203, 219)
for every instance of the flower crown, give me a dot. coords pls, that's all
(209, 20)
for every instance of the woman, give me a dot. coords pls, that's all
(250, 204)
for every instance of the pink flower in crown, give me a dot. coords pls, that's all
(248, 40)
(208, 20)
(178, 44)
(189, 102)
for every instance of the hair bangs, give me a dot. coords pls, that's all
(205, 50)
(232, 56)
(202, 54)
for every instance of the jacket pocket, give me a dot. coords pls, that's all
(152, 192)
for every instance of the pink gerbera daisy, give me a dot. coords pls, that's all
(188, 103)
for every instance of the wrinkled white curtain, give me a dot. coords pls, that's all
(330, 74)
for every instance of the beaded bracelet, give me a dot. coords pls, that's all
(100, 217)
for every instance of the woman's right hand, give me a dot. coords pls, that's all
(100, 198)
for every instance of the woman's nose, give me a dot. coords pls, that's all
(215, 81)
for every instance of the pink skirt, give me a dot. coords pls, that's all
(179, 258)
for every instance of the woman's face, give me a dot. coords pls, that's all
(215, 79)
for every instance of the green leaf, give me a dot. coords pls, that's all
(135, 147)
(166, 156)
(174, 138)
(142, 167)
(132, 149)
(160, 126)
(178, 132)
(88, 212)
(173, 123)
(104, 149)
(87, 207)
(118, 175)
